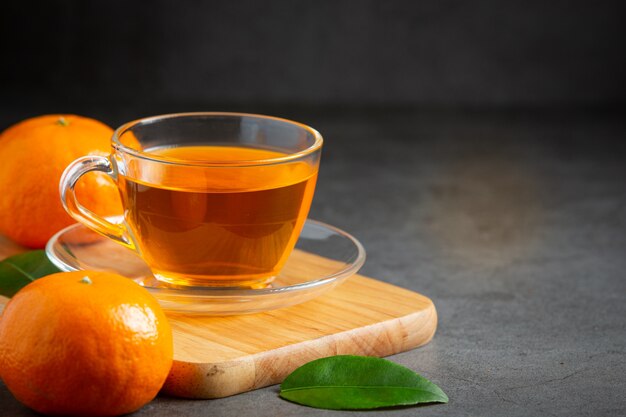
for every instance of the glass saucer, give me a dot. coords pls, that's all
(323, 258)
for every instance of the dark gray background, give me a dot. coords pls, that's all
(443, 53)
(476, 148)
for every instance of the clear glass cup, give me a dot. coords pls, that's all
(210, 199)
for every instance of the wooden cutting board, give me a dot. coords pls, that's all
(221, 356)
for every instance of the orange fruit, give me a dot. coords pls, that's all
(84, 344)
(34, 154)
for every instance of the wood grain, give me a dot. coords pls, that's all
(221, 356)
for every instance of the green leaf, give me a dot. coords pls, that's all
(20, 270)
(349, 382)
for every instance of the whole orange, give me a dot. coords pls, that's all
(84, 344)
(34, 154)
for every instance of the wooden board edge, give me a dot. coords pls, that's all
(217, 380)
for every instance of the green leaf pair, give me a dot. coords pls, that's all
(357, 382)
(20, 270)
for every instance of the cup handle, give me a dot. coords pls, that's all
(67, 189)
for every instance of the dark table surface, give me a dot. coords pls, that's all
(513, 222)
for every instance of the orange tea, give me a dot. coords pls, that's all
(230, 225)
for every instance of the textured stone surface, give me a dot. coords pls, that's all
(513, 223)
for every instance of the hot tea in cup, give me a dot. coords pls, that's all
(210, 199)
